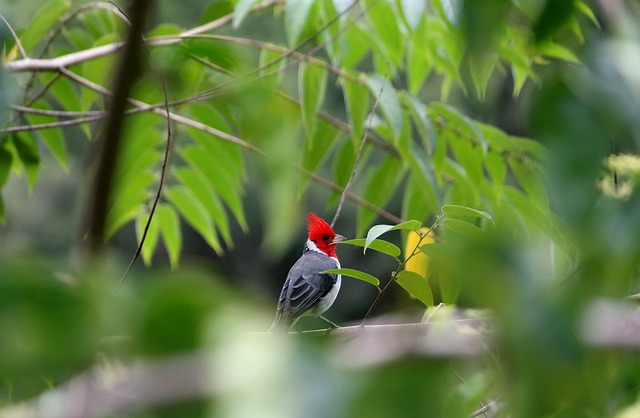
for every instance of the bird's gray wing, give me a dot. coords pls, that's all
(305, 285)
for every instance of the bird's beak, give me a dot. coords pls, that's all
(337, 239)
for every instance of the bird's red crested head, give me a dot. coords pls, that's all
(322, 235)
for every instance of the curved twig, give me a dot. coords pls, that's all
(163, 171)
(21, 49)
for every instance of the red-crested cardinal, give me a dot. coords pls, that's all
(306, 292)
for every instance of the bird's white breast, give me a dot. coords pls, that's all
(326, 302)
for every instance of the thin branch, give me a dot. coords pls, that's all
(15, 37)
(159, 191)
(299, 56)
(53, 64)
(56, 113)
(51, 125)
(483, 409)
(355, 164)
(161, 112)
(354, 198)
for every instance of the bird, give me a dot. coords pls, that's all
(307, 291)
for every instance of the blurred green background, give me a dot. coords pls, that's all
(466, 83)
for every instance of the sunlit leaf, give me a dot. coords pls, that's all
(379, 245)
(465, 231)
(360, 275)
(455, 211)
(378, 230)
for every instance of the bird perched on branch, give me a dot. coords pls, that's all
(307, 291)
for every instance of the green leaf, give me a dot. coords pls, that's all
(553, 17)
(226, 183)
(318, 150)
(98, 71)
(240, 12)
(356, 98)
(378, 230)
(379, 245)
(63, 91)
(421, 121)
(6, 159)
(357, 44)
(419, 63)
(497, 169)
(455, 211)
(530, 181)
(460, 123)
(465, 231)
(416, 199)
(554, 50)
(271, 63)
(376, 189)
(416, 285)
(312, 84)
(586, 10)
(425, 180)
(164, 29)
(366, 277)
(151, 240)
(170, 229)
(295, 18)
(52, 137)
(195, 214)
(461, 189)
(27, 149)
(343, 163)
(129, 196)
(388, 102)
(469, 157)
(481, 68)
(384, 20)
(202, 190)
(44, 19)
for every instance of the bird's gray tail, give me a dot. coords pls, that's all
(282, 323)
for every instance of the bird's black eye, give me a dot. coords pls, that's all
(326, 237)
